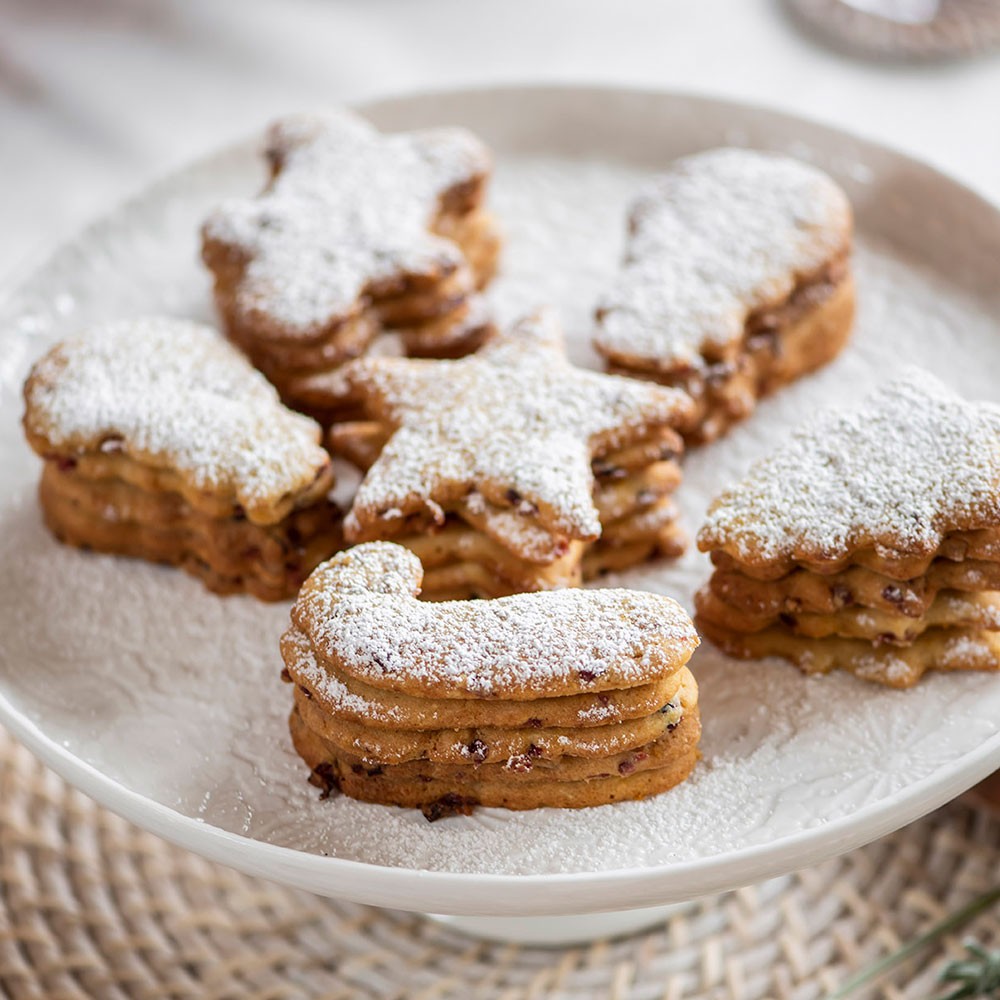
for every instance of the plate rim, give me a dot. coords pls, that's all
(567, 892)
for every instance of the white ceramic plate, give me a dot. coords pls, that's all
(163, 701)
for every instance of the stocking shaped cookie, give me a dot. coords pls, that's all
(569, 698)
(735, 281)
(161, 441)
(870, 541)
(355, 232)
(511, 469)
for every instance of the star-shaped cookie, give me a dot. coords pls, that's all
(347, 217)
(513, 428)
(912, 465)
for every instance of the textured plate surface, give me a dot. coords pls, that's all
(163, 701)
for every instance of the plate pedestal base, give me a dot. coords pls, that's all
(554, 932)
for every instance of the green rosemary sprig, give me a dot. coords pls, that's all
(950, 923)
(976, 976)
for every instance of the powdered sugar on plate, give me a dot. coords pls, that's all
(175, 692)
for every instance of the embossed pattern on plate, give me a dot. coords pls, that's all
(163, 701)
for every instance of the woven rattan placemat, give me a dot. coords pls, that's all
(90, 906)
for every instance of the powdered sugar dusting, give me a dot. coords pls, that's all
(963, 649)
(982, 608)
(175, 395)
(331, 687)
(911, 464)
(718, 235)
(358, 610)
(513, 528)
(349, 207)
(517, 415)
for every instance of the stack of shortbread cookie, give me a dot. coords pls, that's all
(870, 541)
(356, 232)
(511, 470)
(736, 281)
(161, 441)
(572, 698)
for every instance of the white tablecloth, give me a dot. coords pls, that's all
(99, 96)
